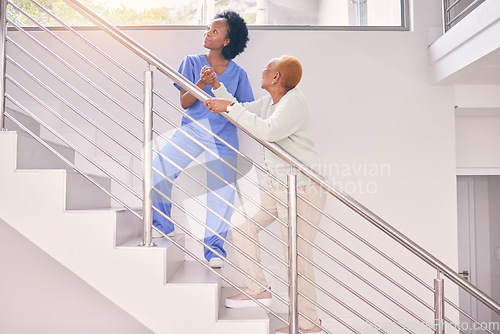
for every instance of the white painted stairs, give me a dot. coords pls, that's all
(71, 220)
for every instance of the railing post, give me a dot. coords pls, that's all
(147, 183)
(293, 289)
(446, 16)
(439, 305)
(3, 50)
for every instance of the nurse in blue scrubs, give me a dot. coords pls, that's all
(224, 38)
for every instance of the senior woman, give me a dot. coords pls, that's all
(281, 117)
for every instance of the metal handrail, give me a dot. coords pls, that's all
(350, 202)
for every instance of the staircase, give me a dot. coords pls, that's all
(72, 221)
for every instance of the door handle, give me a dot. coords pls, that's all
(465, 274)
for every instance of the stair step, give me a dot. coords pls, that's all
(128, 226)
(239, 314)
(83, 194)
(24, 119)
(275, 323)
(174, 256)
(193, 272)
(33, 155)
(159, 242)
(29, 156)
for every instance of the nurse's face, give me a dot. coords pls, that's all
(215, 37)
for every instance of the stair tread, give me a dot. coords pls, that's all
(160, 242)
(32, 154)
(193, 272)
(238, 314)
(69, 171)
(48, 141)
(23, 118)
(94, 210)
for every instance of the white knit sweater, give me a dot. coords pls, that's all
(286, 123)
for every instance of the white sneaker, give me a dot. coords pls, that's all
(216, 263)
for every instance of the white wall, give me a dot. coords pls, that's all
(477, 135)
(372, 108)
(39, 295)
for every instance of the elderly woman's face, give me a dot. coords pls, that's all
(268, 74)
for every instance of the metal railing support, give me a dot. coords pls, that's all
(439, 316)
(147, 183)
(3, 47)
(293, 288)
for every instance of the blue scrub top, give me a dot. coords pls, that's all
(235, 80)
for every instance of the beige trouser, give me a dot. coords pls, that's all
(315, 195)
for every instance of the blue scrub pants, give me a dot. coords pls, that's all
(215, 186)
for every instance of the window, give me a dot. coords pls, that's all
(302, 14)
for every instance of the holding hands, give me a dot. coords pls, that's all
(217, 105)
(209, 77)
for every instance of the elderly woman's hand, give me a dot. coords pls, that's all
(216, 105)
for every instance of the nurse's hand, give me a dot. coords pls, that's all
(216, 105)
(209, 77)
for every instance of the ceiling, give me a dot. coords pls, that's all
(485, 71)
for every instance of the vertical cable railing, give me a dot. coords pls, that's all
(431, 301)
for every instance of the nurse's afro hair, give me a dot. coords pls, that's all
(237, 33)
